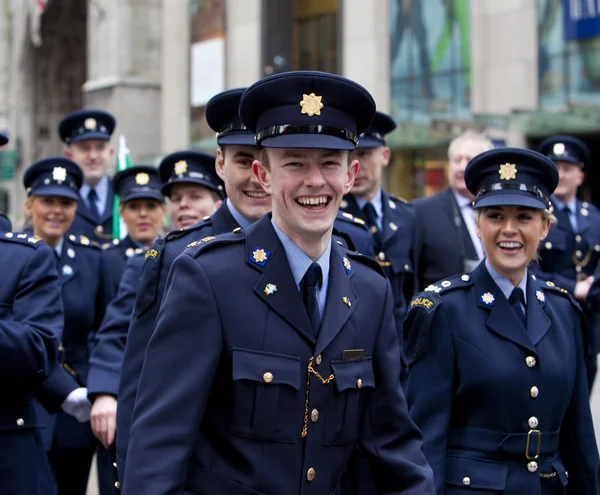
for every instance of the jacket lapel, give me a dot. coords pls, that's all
(341, 298)
(538, 322)
(276, 286)
(502, 319)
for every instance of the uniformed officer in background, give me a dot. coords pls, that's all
(570, 254)
(52, 186)
(86, 134)
(390, 219)
(142, 209)
(31, 324)
(496, 378)
(247, 404)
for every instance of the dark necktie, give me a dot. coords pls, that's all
(310, 282)
(371, 214)
(515, 300)
(567, 212)
(92, 198)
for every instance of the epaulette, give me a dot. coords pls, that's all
(449, 284)
(559, 290)
(21, 238)
(113, 244)
(82, 240)
(194, 248)
(395, 199)
(366, 260)
(348, 217)
(176, 234)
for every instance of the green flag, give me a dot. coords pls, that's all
(123, 162)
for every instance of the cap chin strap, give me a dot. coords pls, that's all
(282, 130)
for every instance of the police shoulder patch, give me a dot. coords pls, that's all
(417, 324)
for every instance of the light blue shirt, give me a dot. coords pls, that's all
(572, 210)
(300, 262)
(101, 194)
(377, 204)
(58, 248)
(506, 285)
(241, 220)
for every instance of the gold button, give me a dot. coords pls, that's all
(530, 360)
(20, 422)
(318, 359)
(577, 238)
(466, 481)
(406, 268)
(533, 422)
(532, 466)
(114, 464)
(548, 245)
(314, 415)
(578, 253)
(268, 377)
(310, 474)
(358, 383)
(381, 256)
(99, 229)
(597, 247)
(578, 269)
(117, 484)
(534, 392)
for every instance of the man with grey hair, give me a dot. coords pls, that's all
(445, 239)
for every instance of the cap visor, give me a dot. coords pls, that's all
(91, 135)
(562, 158)
(239, 138)
(142, 195)
(166, 188)
(369, 142)
(55, 190)
(312, 141)
(513, 198)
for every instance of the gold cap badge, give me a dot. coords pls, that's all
(558, 149)
(142, 179)
(59, 174)
(311, 104)
(90, 124)
(181, 167)
(508, 171)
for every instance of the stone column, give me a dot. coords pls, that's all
(243, 49)
(124, 70)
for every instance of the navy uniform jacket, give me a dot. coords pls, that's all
(479, 382)
(563, 250)
(114, 256)
(106, 358)
(396, 256)
(31, 322)
(230, 419)
(84, 223)
(80, 271)
(442, 241)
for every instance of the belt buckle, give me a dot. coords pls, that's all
(528, 446)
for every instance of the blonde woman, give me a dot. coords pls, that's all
(496, 370)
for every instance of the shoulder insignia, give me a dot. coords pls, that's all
(359, 221)
(210, 242)
(106, 245)
(152, 254)
(176, 234)
(423, 302)
(449, 284)
(82, 240)
(347, 215)
(22, 238)
(365, 260)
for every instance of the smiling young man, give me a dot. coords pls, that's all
(570, 255)
(243, 390)
(86, 134)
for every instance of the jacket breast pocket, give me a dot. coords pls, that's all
(266, 388)
(353, 381)
(466, 475)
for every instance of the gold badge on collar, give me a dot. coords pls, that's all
(270, 289)
(488, 299)
(142, 179)
(90, 124)
(508, 171)
(540, 295)
(59, 174)
(259, 255)
(311, 104)
(181, 167)
(558, 149)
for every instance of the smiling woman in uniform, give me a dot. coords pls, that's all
(496, 371)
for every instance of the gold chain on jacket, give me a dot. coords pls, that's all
(324, 381)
